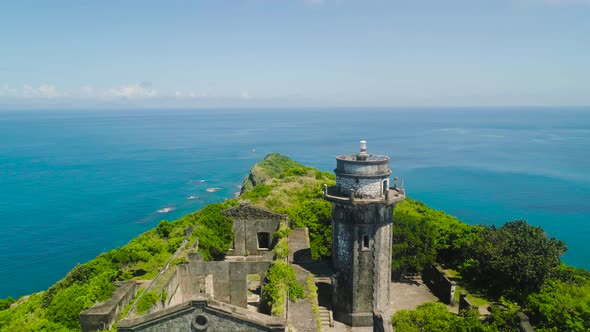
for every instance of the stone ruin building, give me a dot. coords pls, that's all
(218, 295)
(205, 295)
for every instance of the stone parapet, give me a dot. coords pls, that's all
(464, 303)
(103, 315)
(334, 195)
(434, 277)
(523, 323)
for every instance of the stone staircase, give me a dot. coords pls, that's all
(326, 317)
(299, 246)
(324, 285)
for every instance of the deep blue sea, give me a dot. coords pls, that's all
(76, 183)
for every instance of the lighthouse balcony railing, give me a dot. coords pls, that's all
(334, 195)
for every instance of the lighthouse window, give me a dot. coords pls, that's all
(365, 242)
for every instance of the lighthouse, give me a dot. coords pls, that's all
(363, 201)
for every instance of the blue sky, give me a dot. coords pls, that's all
(294, 53)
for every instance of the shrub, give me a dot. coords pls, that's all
(316, 215)
(281, 249)
(147, 301)
(164, 229)
(214, 231)
(173, 244)
(5, 303)
(281, 279)
(258, 192)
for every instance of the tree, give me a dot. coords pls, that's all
(164, 229)
(413, 244)
(5, 303)
(451, 238)
(316, 215)
(561, 306)
(514, 259)
(431, 317)
(214, 231)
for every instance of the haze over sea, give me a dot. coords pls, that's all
(76, 183)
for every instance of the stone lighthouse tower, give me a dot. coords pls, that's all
(362, 214)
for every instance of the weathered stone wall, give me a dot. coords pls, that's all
(229, 278)
(248, 222)
(361, 254)
(464, 304)
(363, 187)
(177, 289)
(362, 168)
(363, 270)
(523, 323)
(436, 280)
(382, 293)
(246, 235)
(382, 321)
(220, 272)
(341, 240)
(103, 315)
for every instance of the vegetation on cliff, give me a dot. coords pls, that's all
(281, 281)
(516, 262)
(214, 230)
(273, 166)
(58, 308)
(437, 317)
(5, 303)
(287, 187)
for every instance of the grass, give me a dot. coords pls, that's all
(125, 311)
(313, 297)
(452, 273)
(478, 301)
(254, 277)
(474, 297)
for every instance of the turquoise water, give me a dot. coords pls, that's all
(76, 183)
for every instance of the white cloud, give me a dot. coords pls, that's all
(189, 94)
(7, 91)
(28, 91)
(129, 91)
(134, 91)
(245, 95)
(138, 91)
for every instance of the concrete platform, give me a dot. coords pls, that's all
(410, 294)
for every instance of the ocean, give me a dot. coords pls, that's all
(76, 183)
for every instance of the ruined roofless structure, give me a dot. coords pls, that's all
(362, 215)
